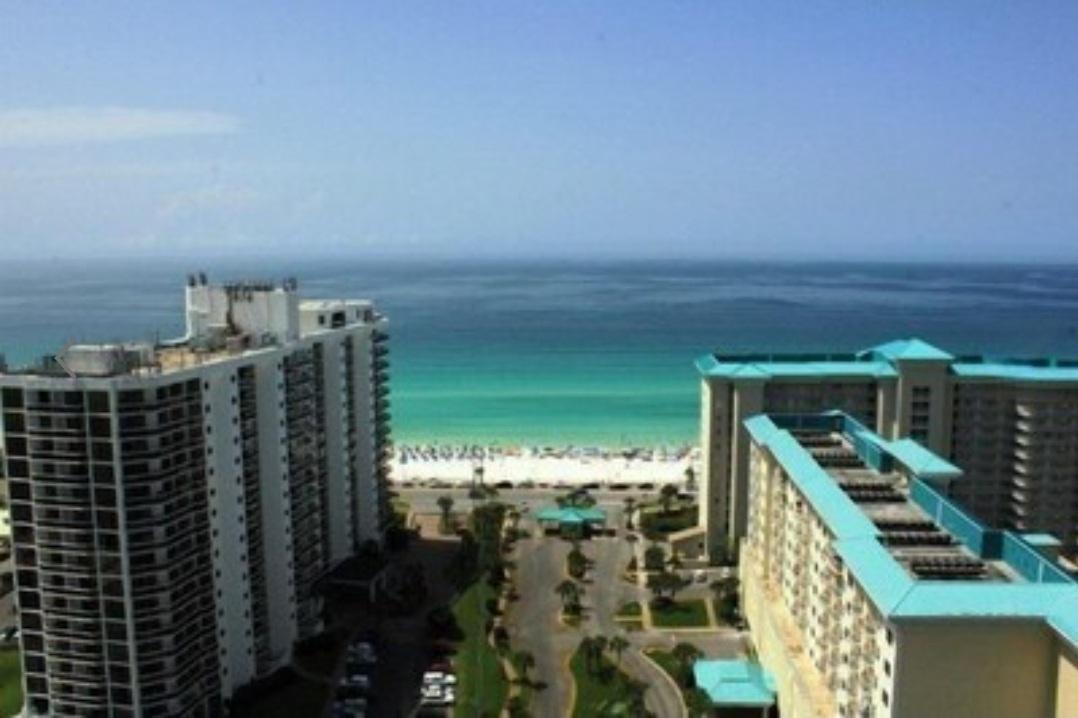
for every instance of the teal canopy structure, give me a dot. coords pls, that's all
(571, 515)
(735, 683)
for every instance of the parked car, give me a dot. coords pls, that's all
(347, 690)
(357, 680)
(362, 654)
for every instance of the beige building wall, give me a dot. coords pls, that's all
(976, 669)
(724, 441)
(813, 626)
(1017, 442)
(1066, 699)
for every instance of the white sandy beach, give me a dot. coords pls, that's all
(567, 466)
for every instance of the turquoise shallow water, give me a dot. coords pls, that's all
(584, 353)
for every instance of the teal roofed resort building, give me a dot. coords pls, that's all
(869, 593)
(1011, 424)
(571, 519)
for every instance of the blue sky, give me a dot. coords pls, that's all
(912, 130)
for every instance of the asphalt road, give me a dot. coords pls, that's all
(534, 624)
(425, 500)
(533, 620)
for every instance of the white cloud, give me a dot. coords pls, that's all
(77, 125)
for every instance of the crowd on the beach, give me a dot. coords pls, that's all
(480, 453)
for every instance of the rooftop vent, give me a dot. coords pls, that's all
(838, 459)
(875, 495)
(916, 538)
(905, 525)
(948, 568)
(816, 440)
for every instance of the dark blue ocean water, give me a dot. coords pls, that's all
(573, 352)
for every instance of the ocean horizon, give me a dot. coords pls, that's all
(571, 352)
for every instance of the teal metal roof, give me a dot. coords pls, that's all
(1042, 591)
(735, 683)
(918, 460)
(572, 515)
(1031, 371)
(911, 349)
(830, 502)
(1041, 539)
(732, 368)
(878, 362)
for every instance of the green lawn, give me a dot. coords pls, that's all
(605, 693)
(481, 685)
(680, 614)
(695, 699)
(631, 609)
(10, 682)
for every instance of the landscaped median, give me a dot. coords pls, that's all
(678, 665)
(656, 523)
(10, 682)
(689, 613)
(601, 688)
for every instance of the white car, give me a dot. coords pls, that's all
(356, 704)
(438, 678)
(357, 680)
(431, 695)
(362, 655)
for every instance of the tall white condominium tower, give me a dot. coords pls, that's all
(1009, 423)
(173, 505)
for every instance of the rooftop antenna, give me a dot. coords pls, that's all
(202, 278)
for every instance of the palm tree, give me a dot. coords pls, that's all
(654, 557)
(526, 661)
(618, 645)
(593, 647)
(690, 478)
(569, 591)
(630, 506)
(723, 587)
(666, 583)
(445, 503)
(667, 494)
(588, 650)
(686, 654)
(577, 563)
